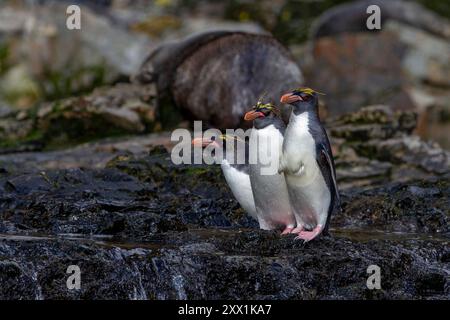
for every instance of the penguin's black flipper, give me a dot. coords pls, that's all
(327, 167)
(326, 164)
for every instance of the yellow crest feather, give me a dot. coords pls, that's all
(308, 91)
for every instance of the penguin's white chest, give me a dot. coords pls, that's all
(269, 187)
(265, 149)
(299, 149)
(239, 183)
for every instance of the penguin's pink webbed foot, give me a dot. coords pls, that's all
(287, 230)
(309, 235)
(297, 229)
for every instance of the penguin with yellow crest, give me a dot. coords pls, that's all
(269, 187)
(308, 165)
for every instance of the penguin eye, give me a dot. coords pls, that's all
(306, 97)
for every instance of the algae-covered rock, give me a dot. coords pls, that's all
(175, 231)
(375, 146)
(141, 227)
(224, 265)
(146, 229)
(108, 111)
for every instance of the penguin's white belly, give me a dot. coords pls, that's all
(310, 198)
(309, 194)
(240, 186)
(269, 187)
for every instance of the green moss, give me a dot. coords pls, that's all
(35, 136)
(244, 11)
(296, 18)
(62, 84)
(196, 171)
(168, 114)
(4, 54)
(438, 6)
(62, 131)
(157, 26)
(291, 25)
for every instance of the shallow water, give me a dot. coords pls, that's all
(360, 234)
(101, 240)
(363, 235)
(155, 243)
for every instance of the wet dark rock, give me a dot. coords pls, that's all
(147, 229)
(196, 193)
(182, 71)
(255, 267)
(87, 155)
(83, 201)
(140, 227)
(420, 207)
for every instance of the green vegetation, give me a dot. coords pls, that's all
(438, 6)
(34, 137)
(157, 26)
(66, 83)
(292, 24)
(4, 54)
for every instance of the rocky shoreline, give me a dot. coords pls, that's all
(143, 228)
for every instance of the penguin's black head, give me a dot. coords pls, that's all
(302, 99)
(261, 110)
(262, 115)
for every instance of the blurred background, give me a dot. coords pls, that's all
(60, 87)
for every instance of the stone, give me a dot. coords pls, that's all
(401, 66)
(86, 155)
(376, 145)
(18, 87)
(122, 118)
(59, 61)
(140, 227)
(5, 110)
(143, 228)
(108, 111)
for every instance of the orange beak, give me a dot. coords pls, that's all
(252, 115)
(290, 98)
(201, 142)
